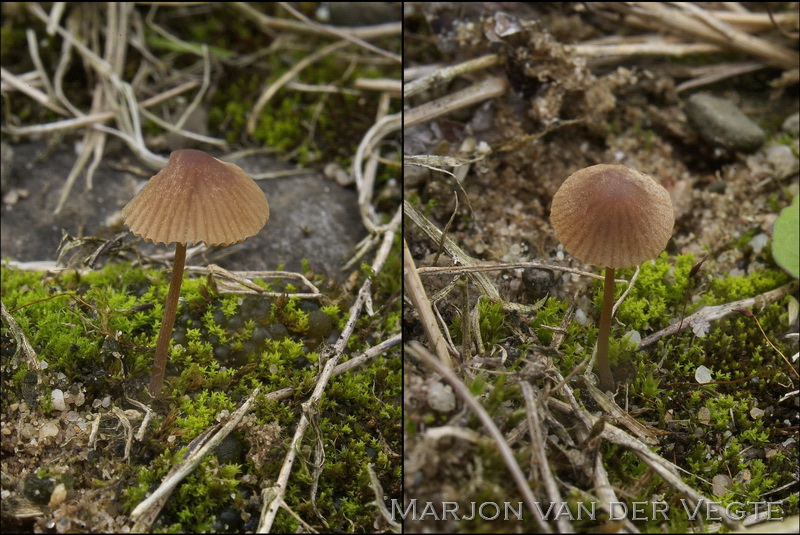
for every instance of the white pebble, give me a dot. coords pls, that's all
(58, 496)
(758, 242)
(59, 403)
(633, 337)
(441, 397)
(50, 429)
(702, 375)
(700, 327)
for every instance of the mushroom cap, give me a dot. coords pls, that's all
(195, 198)
(612, 216)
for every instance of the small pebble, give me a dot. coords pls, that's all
(758, 242)
(57, 395)
(704, 415)
(722, 124)
(720, 484)
(781, 158)
(441, 397)
(633, 337)
(58, 496)
(50, 429)
(700, 327)
(791, 124)
(702, 375)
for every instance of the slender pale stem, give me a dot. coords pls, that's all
(167, 321)
(602, 363)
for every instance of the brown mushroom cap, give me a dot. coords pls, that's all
(612, 216)
(197, 198)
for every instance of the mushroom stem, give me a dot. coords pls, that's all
(168, 320)
(602, 363)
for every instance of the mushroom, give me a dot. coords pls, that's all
(195, 198)
(614, 217)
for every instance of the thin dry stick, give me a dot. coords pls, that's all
(418, 351)
(270, 23)
(458, 255)
(33, 47)
(354, 362)
(715, 73)
(701, 25)
(626, 292)
(35, 94)
(539, 454)
(484, 90)
(448, 270)
(244, 286)
(379, 497)
(342, 33)
(773, 346)
(452, 249)
(649, 48)
(421, 303)
(21, 339)
(756, 22)
(275, 493)
(146, 512)
(664, 468)
(447, 74)
(387, 85)
(365, 180)
(101, 117)
(711, 313)
(271, 89)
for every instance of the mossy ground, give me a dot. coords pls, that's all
(735, 425)
(230, 344)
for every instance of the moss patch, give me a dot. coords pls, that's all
(96, 333)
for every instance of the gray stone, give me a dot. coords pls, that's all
(722, 124)
(791, 125)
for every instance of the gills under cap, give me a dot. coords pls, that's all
(612, 216)
(197, 198)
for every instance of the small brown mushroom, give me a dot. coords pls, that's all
(195, 198)
(614, 217)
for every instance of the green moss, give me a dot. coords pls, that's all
(199, 413)
(491, 321)
(730, 288)
(295, 319)
(359, 415)
(659, 291)
(549, 315)
(746, 374)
